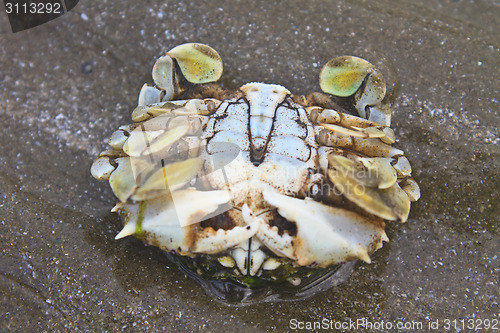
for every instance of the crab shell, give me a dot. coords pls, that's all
(258, 177)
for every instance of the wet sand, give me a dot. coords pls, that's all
(66, 85)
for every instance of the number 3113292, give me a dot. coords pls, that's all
(33, 8)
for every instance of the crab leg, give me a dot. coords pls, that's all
(144, 141)
(350, 125)
(104, 165)
(157, 155)
(356, 134)
(381, 186)
(410, 186)
(150, 94)
(370, 180)
(141, 178)
(176, 108)
(391, 203)
(372, 147)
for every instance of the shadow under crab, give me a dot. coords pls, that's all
(258, 186)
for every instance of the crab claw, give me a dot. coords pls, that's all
(346, 76)
(198, 64)
(173, 224)
(328, 235)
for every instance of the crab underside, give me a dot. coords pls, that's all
(258, 185)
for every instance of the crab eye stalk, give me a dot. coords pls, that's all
(346, 76)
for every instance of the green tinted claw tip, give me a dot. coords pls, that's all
(342, 76)
(199, 63)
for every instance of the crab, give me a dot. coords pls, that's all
(257, 181)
